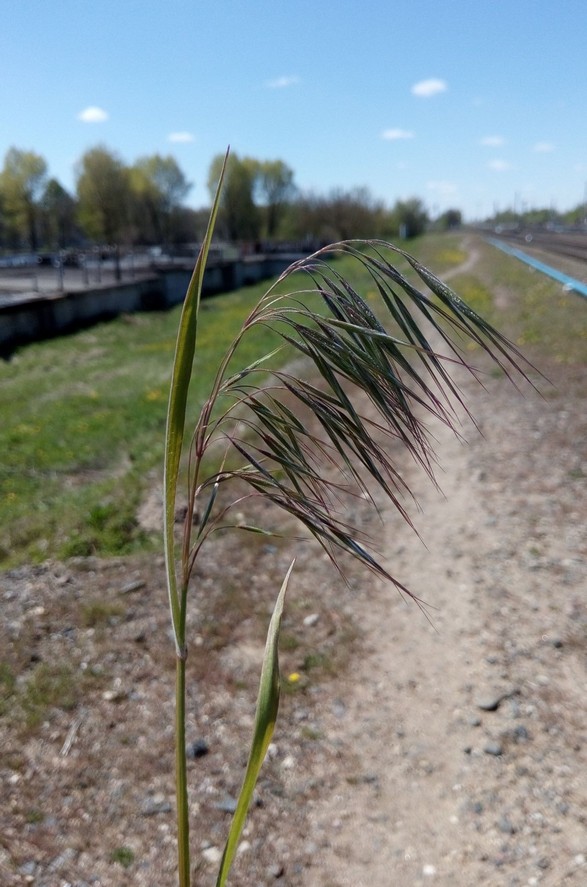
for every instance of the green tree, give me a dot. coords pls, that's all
(449, 220)
(103, 192)
(58, 210)
(22, 182)
(354, 213)
(576, 216)
(238, 217)
(339, 215)
(275, 188)
(539, 218)
(6, 229)
(410, 218)
(159, 188)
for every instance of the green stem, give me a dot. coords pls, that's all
(181, 786)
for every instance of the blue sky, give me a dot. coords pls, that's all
(470, 103)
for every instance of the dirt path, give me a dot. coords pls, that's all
(433, 787)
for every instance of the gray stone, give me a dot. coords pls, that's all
(490, 703)
(154, 805)
(134, 585)
(227, 804)
(506, 826)
(197, 749)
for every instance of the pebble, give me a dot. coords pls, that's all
(198, 749)
(154, 805)
(311, 620)
(64, 858)
(212, 855)
(493, 748)
(116, 695)
(227, 804)
(429, 870)
(490, 703)
(506, 826)
(521, 734)
(338, 708)
(134, 585)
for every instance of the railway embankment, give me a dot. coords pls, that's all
(568, 281)
(561, 256)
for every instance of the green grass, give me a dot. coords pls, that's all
(83, 420)
(7, 687)
(48, 686)
(83, 416)
(99, 613)
(124, 856)
(82, 428)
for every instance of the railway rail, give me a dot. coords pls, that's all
(570, 245)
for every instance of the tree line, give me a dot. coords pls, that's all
(144, 203)
(113, 203)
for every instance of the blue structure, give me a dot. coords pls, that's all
(576, 285)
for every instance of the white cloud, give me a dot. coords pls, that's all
(93, 114)
(282, 82)
(427, 88)
(394, 135)
(543, 147)
(492, 141)
(443, 188)
(180, 137)
(499, 165)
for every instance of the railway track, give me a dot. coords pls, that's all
(569, 245)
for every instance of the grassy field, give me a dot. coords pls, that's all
(83, 416)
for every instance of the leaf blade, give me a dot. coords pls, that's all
(265, 717)
(175, 423)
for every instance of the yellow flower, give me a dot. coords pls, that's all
(293, 678)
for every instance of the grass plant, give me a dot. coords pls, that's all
(305, 441)
(83, 415)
